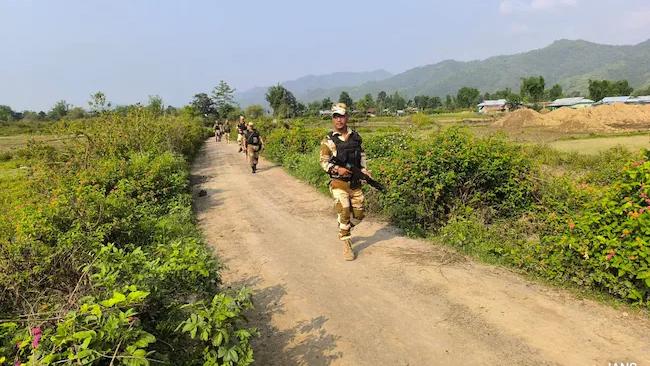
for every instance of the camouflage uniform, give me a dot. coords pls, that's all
(348, 201)
(253, 142)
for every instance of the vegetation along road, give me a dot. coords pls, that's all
(403, 302)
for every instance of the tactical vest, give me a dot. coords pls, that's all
(348, 151)
(253, 138)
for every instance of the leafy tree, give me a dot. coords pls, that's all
(223, 97)
(423, 102)
(156, 105)
(467, 97)
(513, 101)
(6, 113)
(326, 104)
(282, 102)
(555, 92)
(599, 89)
(171, 110)
(59, 110)
(203, 105)
(382, 99)
(450, 104)
(254, 111)
(313, 108)
(76, 113)
(98, 103)
(640, 92)
(396, 102)
(365, 103)
(345, 98)
(532, 88)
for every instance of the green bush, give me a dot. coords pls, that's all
(430, 179)
(606, 245)
(104, 262)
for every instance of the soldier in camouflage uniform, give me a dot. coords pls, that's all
(344, 144)
(253, 145)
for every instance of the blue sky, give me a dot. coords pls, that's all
(129, 49)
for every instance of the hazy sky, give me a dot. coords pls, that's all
(129, 49)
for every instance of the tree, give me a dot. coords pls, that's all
(365, 103)
(599, 89)
(98, 103)
(450, 104)
(532, 88)
(6, 113)
(555, 92)
(223, 97)
(203, 105)
(59, 110)
(395, 102)
(467, 97)
(254, 111)
(345, 98)
(326, 104)
(640, 92)
(313, 108)
(282, 102)
(423, 102)
(156, 105)
(76, 113)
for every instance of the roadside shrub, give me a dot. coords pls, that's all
(606, 245)
(104, 264)
(282, 142)
(385, 144)
(430, 179)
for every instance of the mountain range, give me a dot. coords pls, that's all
(570, 63)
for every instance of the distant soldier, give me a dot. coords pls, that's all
(344, 145)
(254, 145)
(226, 131)
(241, 131)
(217, 129)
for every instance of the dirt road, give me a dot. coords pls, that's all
(402, 302)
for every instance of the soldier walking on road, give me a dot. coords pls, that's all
(344, 144)
(254, 144)
(241, 131)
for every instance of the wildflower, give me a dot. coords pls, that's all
(36, 332)
(611, 254)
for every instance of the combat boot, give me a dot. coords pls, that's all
(348, 253)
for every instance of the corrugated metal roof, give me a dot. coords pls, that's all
(644, 99)
(493, 103)
(611, 100)
(565, 102)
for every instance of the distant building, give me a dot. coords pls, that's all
(575, 103)
(492, 106)
(613, 100)
(639, 100)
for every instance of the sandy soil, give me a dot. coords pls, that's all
(402, 302)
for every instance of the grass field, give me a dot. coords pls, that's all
(598, 144)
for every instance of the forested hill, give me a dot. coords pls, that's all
(313, 83)
(569, 63)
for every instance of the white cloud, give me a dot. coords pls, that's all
(507, 7)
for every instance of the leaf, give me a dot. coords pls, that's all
(136, 296)
(144, 340)
(116, 299)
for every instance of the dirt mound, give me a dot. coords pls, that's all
(519, 119)
(596, 119)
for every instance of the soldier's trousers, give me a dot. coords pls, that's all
(253, 153)
(349, 206)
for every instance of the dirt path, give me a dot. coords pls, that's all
(402, 302)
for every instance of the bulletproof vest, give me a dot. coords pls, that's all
(349, 151)
(253, 138)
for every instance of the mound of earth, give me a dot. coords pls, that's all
(597, 119)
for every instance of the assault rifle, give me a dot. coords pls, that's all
(358, 175)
